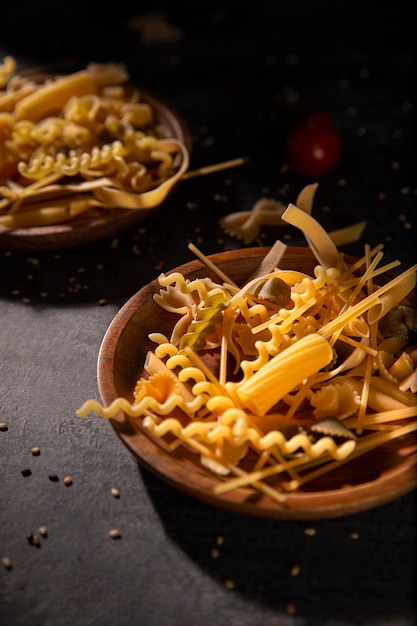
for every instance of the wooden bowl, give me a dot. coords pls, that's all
(109, 224)
(366, 482)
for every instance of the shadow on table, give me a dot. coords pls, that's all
(360, 568)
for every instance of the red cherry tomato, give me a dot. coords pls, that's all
(313, 147)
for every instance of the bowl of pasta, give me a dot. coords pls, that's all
(275, 382)
(83, 156)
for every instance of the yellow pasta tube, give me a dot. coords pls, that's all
(284, 372)
(54, 95)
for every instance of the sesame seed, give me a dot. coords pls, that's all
(3, 426)
(68, 481)
(7, 562)
(214, 553)
(35, 451)
(102, 301)
(115, 492)
(34, 540)
(114, 533)
(290, 608)
(43, 531)
(354, 534)
(295, 570)
(219, 540)
(26, 472)
(309, 530)
(53, 478)
(229, 583)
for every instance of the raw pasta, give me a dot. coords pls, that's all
(292, 386)
(246, 225)
(86, 135)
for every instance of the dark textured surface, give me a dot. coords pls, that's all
(240, 76)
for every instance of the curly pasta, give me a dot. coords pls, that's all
(80, 128)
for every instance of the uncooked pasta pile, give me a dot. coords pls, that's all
(289, 374)
(78, 145)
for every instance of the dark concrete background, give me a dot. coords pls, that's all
(240, 76)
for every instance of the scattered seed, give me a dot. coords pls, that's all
(68, 481)
(7, 562)
(3, 426)
(43, 531)
(26, 472)
(295, 570)
(219, 540)
(102, 301)
(229, 583)
(290, 608)
(34, 540)
(354, 534)
(115, 492)
(35, 451)
(53, 478)
(114, 533)
(214, 553)
(309, 530)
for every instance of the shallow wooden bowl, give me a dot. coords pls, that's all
(369, 481)
(84, 231)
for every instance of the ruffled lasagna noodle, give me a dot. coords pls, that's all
(78, 145)
(288, 375)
